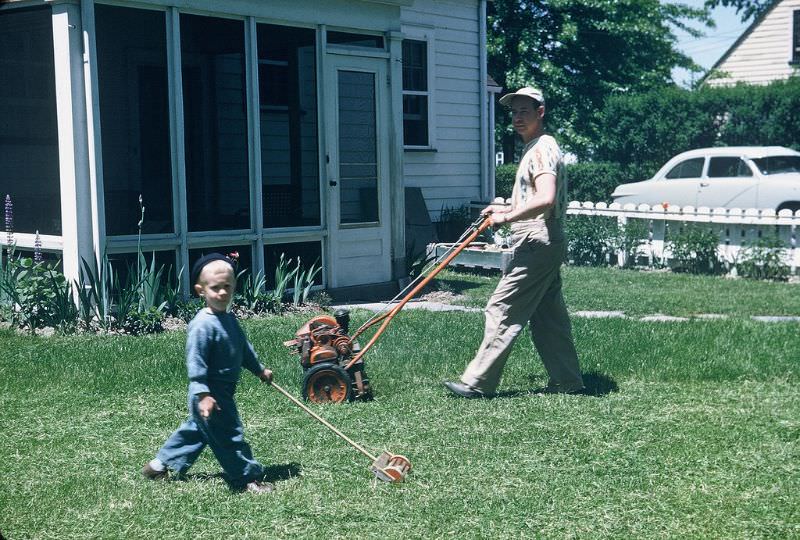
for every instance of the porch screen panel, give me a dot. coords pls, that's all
(358, 154)
(287, 83)
(134, 119)
(29, 170)
(215, 123)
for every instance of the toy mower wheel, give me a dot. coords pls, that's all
(327, 383)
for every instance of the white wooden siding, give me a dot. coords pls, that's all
(451, 175)
(763, 54)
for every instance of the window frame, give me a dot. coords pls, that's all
(741, 165)
(682, 163)
(794, 38)
(425, 35)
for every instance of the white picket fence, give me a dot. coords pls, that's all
(736, 227)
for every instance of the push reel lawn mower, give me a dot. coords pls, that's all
(332, 359)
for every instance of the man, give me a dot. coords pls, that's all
(530, 288)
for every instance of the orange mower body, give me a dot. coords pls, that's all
(333, 369)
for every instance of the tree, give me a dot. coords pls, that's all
(582, 51)
(748, 8)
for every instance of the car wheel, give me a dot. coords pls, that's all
(794, 206)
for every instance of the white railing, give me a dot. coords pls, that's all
(736, 227)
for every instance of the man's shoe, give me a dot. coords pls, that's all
(152, 474)
(464, 390)
(258, 487)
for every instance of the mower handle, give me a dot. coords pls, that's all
(387, 317)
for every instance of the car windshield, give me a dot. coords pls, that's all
(778, 164)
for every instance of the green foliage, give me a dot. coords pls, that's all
(582, 52)
(750, 9)
(591, 240)
(321, 299)
(452, 223)
(36, 295)
(641, 132)
(593, 181)
(252, 292)
(303, 282)
(504, 178)
(692, 419)
(628, 239)
(138, 322)
(763, 259)
(694, 250)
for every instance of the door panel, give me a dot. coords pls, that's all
(358, 171)
(729, 182)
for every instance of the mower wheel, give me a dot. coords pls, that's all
(327, 383)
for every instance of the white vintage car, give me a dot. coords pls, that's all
(722, 177)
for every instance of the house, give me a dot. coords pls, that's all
(285, 127)
(769, 49)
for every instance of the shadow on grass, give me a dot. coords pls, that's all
(272, 473)
(595, 384)
(275, 473)
(598, 384)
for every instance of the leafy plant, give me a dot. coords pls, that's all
(628, 239)
(504, 177)
(452, 223)
(303, 282)
(694, 250)
(763, 259)
(137, 322)
(37, 295)
(253, 292)
(591, 240)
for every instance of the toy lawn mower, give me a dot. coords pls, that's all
(332, 360)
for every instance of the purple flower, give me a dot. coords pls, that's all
(37, 249)
(9, 222)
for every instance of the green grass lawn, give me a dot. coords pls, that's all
(645, 293)
(690, 429)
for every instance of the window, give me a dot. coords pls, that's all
(355, 40)
(29, 170)
(726, 167)
(134, 119)
(691, 168)
(215, 123)
(778, 164)
(308, 253)
(287, 82)
(416, 94)
(795, 37)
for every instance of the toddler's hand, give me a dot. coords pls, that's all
(266, 376)
(207, 405)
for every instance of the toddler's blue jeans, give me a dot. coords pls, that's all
(222, 431)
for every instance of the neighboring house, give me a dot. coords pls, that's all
(283, 127)
(769, 50)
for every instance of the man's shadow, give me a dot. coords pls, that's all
(595, 385)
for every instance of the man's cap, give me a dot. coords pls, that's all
(528, 92)
(203, 261)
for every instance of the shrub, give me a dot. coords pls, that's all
(149, 321)
(629, 237)
(591, 239)
(594, 181)
(37, 295)
(452, 223)
(504, 177)
(694, 250)
(640, 132)
(763, 259)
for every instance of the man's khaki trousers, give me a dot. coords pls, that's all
(529, 292)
